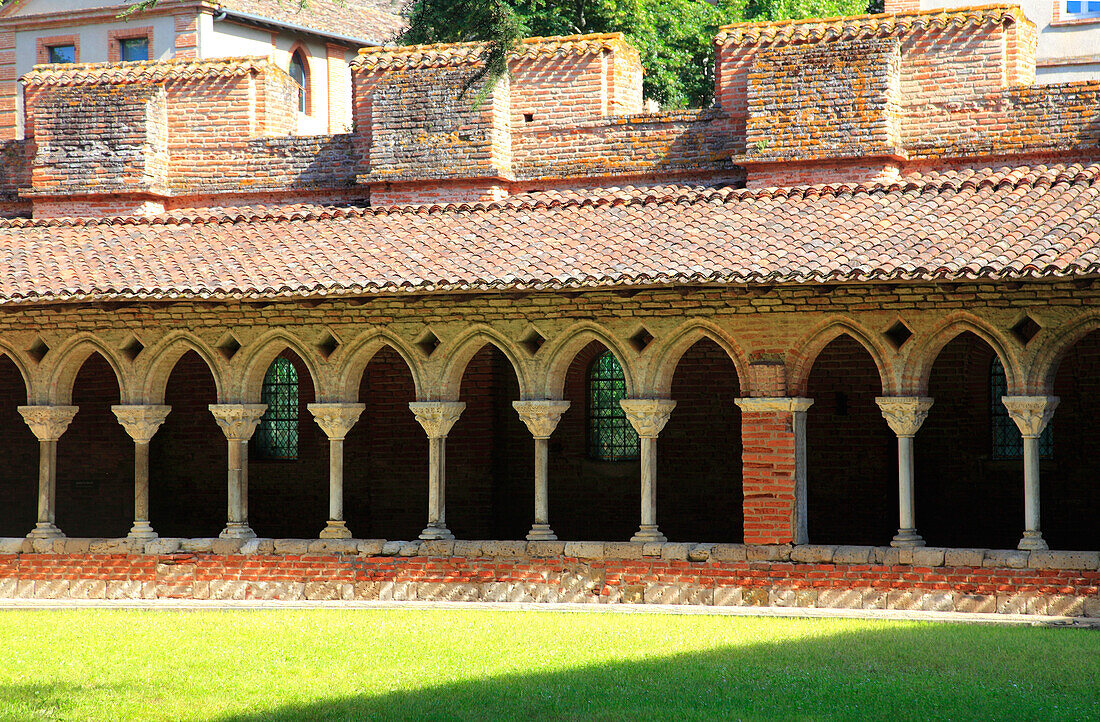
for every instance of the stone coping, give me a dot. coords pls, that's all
(666, 551)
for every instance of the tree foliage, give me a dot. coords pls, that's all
(674, 37)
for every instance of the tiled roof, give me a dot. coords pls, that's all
(866, 26)
(374, 20)
(1010, 223)
(451, 54)
(145, 71)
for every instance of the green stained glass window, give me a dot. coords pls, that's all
(610, 435)
(1007, 442)
(277, 434)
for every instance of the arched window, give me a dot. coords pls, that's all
(1007, 441)
(610, 435)
(298, 73)
(277, 434)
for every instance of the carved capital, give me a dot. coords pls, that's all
(141, 421)
(771, 405)
(541, 417)
(48, 423)
(336, 420)
(904, 414)
(648, 416)
(1031, 413)
(437, 417)
(238, 421)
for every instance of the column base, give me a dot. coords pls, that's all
(142, 530)
(648, 533)
(432, 533)
(46, 530)
(541, 532)
(336, 530)
(1033, 541)
(907, 538)
(237, 530)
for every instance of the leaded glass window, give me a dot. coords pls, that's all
(277, 434)
(298, 73)
(610, 435)
(1007, 441)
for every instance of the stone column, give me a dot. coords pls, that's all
(437, 418)
(541, 418)
(141, 423)
(1031, 414)
(336, 421)
(773, 462)
(648, 417)
(905, 414)
(238, 422)
(47, 423)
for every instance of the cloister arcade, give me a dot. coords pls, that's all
(497, 441)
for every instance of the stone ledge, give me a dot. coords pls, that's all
(697, 553)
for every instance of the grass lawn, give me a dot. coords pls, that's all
(441, 665)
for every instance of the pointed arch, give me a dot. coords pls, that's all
(462, 349)
(1048, 357)
(807, 351)
(263, 352)
(358, 355)
(570, 343)
(71, 359)
(683, 339)
(165, 356)
(20, 364)
(923, 358)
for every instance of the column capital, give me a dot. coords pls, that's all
(764, 405)
(141, 421)
(648, 416)
(904, 414)
(541, 417)
(48, 423)
(1031, 413)
(336, 420)
(237, 421)
(437, 417)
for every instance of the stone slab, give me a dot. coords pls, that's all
(963, 557)
(839, 599)
(727, 597)
(729, 553)
(852, 555)
(813, 554)
(1086, 561)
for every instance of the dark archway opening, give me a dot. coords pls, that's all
(386, 456)
(966, 495)
(188, 457)
(490, 455)
(95, 460)
(19, 483)
(851, 453)
(699, 492)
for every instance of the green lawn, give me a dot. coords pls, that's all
(422, 664)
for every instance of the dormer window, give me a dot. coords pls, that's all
(61, 53)
(1083, 8)
(132, 49)
(298, 73)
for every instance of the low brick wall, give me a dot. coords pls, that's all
(963, 580)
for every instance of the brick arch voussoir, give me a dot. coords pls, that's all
(247, 387)
(923, 358)
(163, 359)
(1048, 357)
(460, 351)
(569, 343)
(70, 359)
(356, 356)
(671, 351)
(802, 357)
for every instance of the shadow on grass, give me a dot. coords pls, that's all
(54, 700)
(916, 672)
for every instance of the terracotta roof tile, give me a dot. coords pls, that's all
(866, 26)
(451, 54)
(374, 20)
(993, 224)
(145, 71)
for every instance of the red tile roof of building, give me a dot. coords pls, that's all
(145, 71)
(451, 54)
(866, 26)
(1010, 223)
(374, 20)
